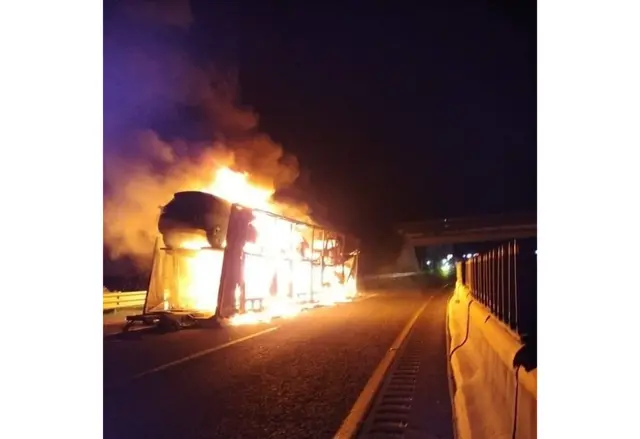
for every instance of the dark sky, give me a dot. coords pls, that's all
(401, 111)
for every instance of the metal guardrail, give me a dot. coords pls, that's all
(389, 275)
(129, 299)
(505, 281)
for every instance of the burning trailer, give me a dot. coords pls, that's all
(214, 260)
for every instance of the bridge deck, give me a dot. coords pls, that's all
(458, 230)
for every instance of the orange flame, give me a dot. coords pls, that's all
(276, 254)
(236, 188)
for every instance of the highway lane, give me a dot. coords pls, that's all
(298, 380)
(138, 352)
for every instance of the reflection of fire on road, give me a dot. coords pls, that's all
(242, 262)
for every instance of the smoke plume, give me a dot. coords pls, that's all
(142, 170)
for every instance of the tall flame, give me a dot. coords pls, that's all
(236, 188)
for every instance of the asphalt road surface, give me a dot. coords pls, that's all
(295, 378)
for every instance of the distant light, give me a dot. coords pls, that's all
(429, 262)
(469, 255)
(449, 256)
(445, 268)
(536, 251)
(444, 261)
(476, 254)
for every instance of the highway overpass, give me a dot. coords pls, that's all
(467, 230)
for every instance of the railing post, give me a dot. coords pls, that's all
(478, 267)
(476, 279)
(501, 307)
(483, 274)
(491, 283)
(485, 269)
(509, 284)
(474, 282)
(515, 279)
(495, 281)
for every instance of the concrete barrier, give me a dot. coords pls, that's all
(492, 395)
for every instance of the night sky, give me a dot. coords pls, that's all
(402, 113)
(395, 112)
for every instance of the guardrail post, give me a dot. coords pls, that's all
(491, 282)
(515, 280)
(484, 280)
(509, 296)
(474, 276)
(501, 276)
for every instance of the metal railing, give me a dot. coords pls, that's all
(131, 299)
(504, 280)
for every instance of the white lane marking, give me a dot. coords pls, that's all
(202, 353)
(354, 419)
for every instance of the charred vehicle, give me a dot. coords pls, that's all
(216, 260)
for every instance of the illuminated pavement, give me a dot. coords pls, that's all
(113, 322)
(295, 378)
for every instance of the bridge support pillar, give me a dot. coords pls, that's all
(407, 261)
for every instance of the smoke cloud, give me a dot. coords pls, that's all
(142, 170)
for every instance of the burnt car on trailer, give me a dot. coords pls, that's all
(211, 262)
